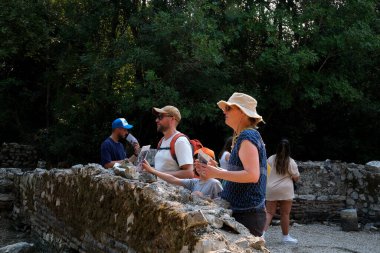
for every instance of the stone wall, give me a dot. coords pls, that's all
(90, 209)
(363, 190)
(14, 155)
(7, 190)
(327, 187)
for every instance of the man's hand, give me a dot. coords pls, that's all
(136, 147)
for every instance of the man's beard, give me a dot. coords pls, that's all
(161, 128)
(120, 137)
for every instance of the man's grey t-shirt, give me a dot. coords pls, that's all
(210, 188)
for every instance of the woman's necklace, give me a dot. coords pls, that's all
(236, 136)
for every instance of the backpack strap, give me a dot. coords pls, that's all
(159, 143)
(196, 144)
(172, 145)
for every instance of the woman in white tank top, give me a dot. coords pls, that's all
(224, 155)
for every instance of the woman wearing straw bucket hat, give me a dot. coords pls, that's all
(247, 167)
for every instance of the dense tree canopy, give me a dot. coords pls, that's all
(69, 67)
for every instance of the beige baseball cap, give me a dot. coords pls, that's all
(169, 109)
(245, 102)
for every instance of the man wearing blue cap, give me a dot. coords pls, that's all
(112, 150)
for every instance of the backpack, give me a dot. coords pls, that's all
(195, 145)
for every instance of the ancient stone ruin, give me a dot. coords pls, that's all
(17, 156)
(328, 187)
(91, 209)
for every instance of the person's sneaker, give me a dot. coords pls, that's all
(289, 240)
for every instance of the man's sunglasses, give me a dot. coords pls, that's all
(161, 116)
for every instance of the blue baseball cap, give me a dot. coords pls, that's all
(121, 123)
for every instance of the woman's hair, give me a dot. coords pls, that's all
(227, 147)
(253, 122)
(282, 160)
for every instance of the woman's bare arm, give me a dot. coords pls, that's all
(249, 157)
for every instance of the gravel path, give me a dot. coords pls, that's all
(317, 238)
(313, 238)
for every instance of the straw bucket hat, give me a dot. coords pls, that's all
(246, 103)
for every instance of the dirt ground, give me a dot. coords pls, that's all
(313, 238)
(318, 238)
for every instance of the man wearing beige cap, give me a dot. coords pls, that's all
(175, 154)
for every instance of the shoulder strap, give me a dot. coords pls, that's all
(159, 143)
(172, 145)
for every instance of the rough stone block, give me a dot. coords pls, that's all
(147, 177)
(195, 219)
(349, 220)
(6, 201)
(20, 247)
(6, 185)
(129, 173)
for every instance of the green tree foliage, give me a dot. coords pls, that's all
(69, 67)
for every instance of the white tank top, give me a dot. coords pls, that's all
(222, 161)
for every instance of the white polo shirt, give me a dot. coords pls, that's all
(163, 161)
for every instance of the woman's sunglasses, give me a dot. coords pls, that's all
(227, 108)
(230, 107)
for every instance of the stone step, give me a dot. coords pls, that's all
(18, 247)
(6, 185)
(6, 201)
